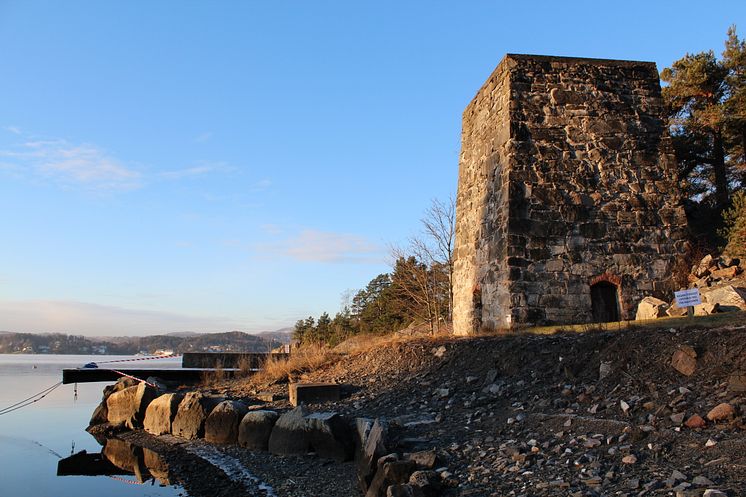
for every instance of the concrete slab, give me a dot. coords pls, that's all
(305, 393)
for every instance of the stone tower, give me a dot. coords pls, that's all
(568, 208)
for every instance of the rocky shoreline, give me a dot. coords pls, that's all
(598, 413)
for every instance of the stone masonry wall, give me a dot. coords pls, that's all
(480, 264)
(566, 178)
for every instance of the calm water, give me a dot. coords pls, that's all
(33, 439)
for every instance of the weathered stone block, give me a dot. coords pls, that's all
(128, 406)
(300, 393)
(651, 308)
(330, 436)
(256, 428)
(161, 412)
(726, 297)
(290, 433)
(192, 414)
(221, 425)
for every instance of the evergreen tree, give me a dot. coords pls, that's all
(734, 231)
(706, 102)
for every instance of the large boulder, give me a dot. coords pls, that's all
(330, 435)
(705, 309)
(192, 414)
(651, 308)
(703, 268)
(390, 472)
(221, 425)
(101, 413)
(290, 434)
(127, 407)
(726, 297)
(160, 413)
(373, 448)
(118, 386)
(256, 428)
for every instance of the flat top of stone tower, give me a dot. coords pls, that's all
(513, 61)
(576, 60)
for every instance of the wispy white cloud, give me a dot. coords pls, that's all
(262, 185)
(272, 229)
(199, 169)
(13, 129)
(203, 137)
(70, 164)
(327, 247)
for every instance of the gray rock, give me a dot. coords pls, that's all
(330, 435)
(221, 425)
(711, 492)
(161, 412)
(726, 297)
(100, 415)
(677, 418)
(427, 481)
(424, 459)
(387, 474)
(191, 415)
(255, 429)
(701, 481)
(404, 490)
(374, 448)
(290, 433)
(651, 308)
(127, 407)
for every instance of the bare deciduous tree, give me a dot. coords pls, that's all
(423, 271)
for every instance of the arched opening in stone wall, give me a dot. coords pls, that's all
(605, 302)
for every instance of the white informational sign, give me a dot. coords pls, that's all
(687, 298)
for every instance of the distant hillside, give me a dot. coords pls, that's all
(57, 343)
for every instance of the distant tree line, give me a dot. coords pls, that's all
(418, 289)
(58, 343)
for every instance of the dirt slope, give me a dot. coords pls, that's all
(530, 415)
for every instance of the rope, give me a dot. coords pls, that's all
(133, 377)
(149, 358)
(30, 400)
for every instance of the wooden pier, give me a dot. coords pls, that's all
(89, 375)
(194, 365)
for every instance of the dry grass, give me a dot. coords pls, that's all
(244, 367)
(213, 377)
(279, 369)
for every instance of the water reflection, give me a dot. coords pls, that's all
(118, 458)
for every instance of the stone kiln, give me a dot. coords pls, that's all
(568, 208)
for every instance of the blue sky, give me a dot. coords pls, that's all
(209, 166)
